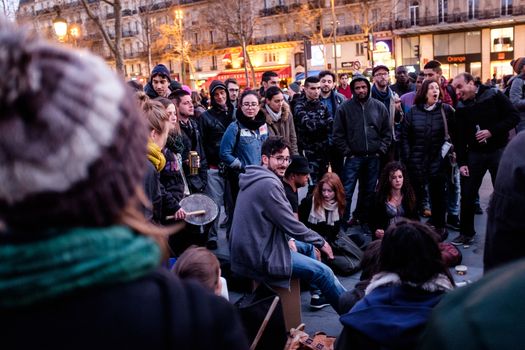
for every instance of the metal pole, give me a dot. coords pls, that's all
(182, 68)
(334, 26)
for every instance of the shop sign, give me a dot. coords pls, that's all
(456, 59)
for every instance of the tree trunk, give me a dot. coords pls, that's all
(119, 60)
(252, 70)
(245, 58)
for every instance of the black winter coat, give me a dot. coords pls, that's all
(313, 126)
(157, 311)
(423, 134)
(213, 123)
(172, 179)
(491, 110)
(193, 142)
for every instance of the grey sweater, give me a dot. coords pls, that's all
(262, 220)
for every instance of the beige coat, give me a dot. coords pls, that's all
(284, 127)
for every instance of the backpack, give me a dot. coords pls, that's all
(347, 256)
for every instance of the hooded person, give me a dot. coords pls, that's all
(213, 123)
(362, 133)
(78, 257)
(159, 82)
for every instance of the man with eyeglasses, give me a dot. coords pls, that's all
(381, 91)
(313, 126)
(263, 221)
(362, 132)
(232, 86)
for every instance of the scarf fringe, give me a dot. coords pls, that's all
(438, 283)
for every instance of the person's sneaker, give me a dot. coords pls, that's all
(318, 302)
(426, 213)
(211, 245)
(462, 240)
(478, 210)
(453, 222)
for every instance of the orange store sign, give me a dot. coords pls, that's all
(456, 59)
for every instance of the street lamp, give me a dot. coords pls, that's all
(60, 26)
(178, 16)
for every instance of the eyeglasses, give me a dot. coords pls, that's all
(233, 90)
(253, 104)
(381, 74)
(282, 160)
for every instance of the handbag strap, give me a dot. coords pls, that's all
(447, 136)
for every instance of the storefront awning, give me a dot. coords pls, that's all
(284, 72)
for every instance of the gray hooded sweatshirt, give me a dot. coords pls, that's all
(262, 220)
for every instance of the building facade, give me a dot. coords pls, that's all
(479, 36)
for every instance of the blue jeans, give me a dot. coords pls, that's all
(366, 170)
(317, 274)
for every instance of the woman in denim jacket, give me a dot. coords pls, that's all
(242, 140)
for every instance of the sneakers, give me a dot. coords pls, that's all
(478, 210)
(453, 222)
(462, 240)
(426, 213)
(318, 302)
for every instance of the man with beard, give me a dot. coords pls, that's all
(262, 222)
(313, 126)
(382, 92)
(331, 99)
(403, 84)
(159, 82)
(213, 124)
(362, 132)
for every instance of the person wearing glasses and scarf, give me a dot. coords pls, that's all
(243, 139)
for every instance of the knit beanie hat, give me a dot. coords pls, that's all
(162, 70)
(518, 64)
(72, 142)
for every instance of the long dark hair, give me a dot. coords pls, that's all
(384, 186)
(410, 249)
(421, 95)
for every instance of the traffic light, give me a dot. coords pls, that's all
(416, 51)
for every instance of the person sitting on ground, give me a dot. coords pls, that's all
(399, 299)
(78, 257)
(323, 210)
(395, 199)
(199, 264)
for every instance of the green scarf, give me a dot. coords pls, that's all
(77, 258)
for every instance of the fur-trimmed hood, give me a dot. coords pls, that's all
(438, 283)
(285, 109)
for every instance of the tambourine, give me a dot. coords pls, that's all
(200, 209)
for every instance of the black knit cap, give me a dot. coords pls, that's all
(72, 142)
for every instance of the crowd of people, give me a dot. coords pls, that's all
(94, 176)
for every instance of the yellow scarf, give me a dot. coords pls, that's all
(155, 155)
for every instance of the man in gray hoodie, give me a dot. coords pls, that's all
(262, 220)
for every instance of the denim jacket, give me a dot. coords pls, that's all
(248, 150)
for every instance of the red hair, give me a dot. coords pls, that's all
(332, 180)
